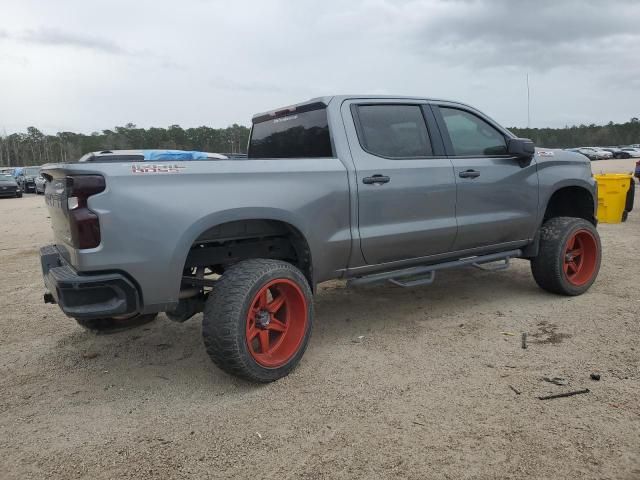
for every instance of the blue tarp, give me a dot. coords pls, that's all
(157, 155)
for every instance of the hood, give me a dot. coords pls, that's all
(544, 155)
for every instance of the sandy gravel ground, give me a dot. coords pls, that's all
(424, 394)
(627, 165)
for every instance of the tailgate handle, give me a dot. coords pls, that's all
(376, 179)
(469, 174)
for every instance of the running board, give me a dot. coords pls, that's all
(503, 265)
(425, 275)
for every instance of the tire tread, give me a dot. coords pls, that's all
(546, 267)
(224, 312)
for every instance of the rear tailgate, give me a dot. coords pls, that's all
(56, 197)
(66, 193)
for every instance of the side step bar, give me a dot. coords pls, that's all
(425, 275)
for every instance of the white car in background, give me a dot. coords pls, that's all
(602, 154)
(40, 184)
(593, 153)
(633, 152)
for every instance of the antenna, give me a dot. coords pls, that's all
(528, 104)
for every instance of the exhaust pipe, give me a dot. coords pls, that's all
(188, 293)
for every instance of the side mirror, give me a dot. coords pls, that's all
(521, 147)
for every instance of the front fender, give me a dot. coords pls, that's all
(564, 169)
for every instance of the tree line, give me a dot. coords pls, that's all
(36, 148)
(611, 134)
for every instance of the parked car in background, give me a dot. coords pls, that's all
(620, 152)
(9, 186)
(594, 153)
(26, 178)
(632, 152)
(587, 152)
(112, 156)
(40, 183)
(602, 153)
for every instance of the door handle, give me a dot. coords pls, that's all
(376, 179)
(469, 174)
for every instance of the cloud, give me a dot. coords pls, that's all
(219, 62)
(53, 37)
(538, 35)
(241, 85)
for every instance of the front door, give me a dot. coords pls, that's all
(497, 195)
(406, 187)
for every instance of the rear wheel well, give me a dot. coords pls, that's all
(223, 245)
(571, 202)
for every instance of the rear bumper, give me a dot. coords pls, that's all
(86, 296)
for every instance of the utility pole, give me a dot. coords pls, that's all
(528, 104)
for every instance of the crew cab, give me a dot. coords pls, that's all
(364, 188)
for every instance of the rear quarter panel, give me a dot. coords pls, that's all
(149, 220)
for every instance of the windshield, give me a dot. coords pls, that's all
(31, 171)
(6, 178)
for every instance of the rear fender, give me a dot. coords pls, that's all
(233, 215)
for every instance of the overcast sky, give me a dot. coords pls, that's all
(90, 65)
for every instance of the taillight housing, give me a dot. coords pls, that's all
(84, 225)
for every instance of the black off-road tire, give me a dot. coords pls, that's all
(107, 326)
(226, 311)
(548, 267)
(19, 194)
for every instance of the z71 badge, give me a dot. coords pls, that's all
(145, 168)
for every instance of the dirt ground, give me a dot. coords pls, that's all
(425, 393)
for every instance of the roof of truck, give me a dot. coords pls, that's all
(313, 103)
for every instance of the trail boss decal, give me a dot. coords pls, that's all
(142, 168)
(544, 153)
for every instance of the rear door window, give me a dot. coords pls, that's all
(393, 131)
(299, 135)
(472, 136)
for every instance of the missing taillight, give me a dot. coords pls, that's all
(84, 225)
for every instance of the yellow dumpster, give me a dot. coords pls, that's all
(612, 196)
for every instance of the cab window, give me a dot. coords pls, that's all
(393, 131)
(472, 136)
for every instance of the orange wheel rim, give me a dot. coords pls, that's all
(276, 323)
(580, 257)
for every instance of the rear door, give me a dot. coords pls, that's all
(406, 188)
(497, 194)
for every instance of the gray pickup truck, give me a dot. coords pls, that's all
(365, 188)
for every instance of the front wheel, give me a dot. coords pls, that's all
(569, 258)
(257, 320)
